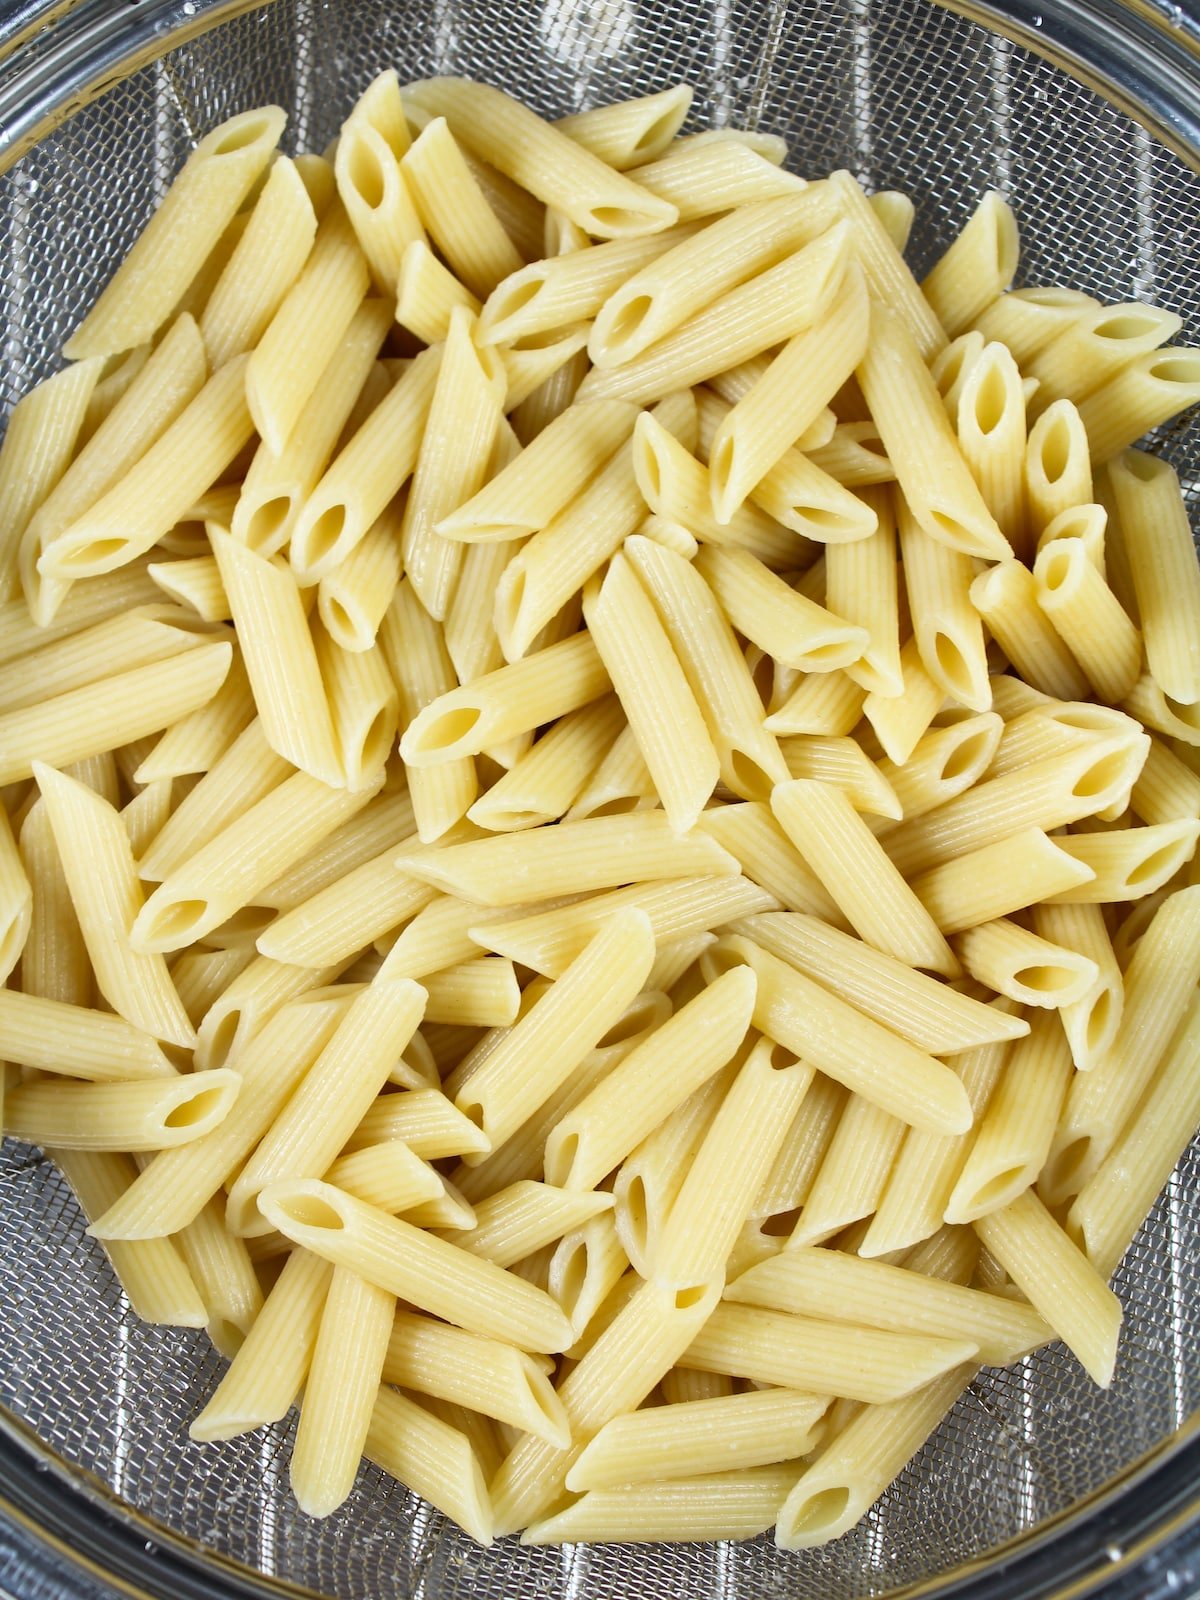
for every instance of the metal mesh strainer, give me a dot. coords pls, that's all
(907, 96)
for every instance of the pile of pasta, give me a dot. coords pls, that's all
(599, 793)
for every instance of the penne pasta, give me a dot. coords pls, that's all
(172, 247)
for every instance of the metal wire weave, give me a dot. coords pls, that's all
(907, 96)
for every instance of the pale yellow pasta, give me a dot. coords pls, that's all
(593, 1138)
(54, 958)
(336, 1093)
(645, 1339)
(651, 1176)
(364, 707)
(1096, 346)
(734, 1505)
(280, 658)
(678, 284)
(221, 1268)
(1088, 618)
(1006, 597)
(158, 488)
(152, 1272)
(366, 473)
(560, 1028)
(277, 484)
(675, 485)
(1046, 794)
(1026, 320)
(861, 587)
(75, 1041)
(98, 865)
(654, 693)
(752, 835)
(1014, 1136)
(851, 1178)
(541, 785)
(1058, 1280)
(927, 1168)
(414, 1265)
(172, 247)
(416, 654)
(434, 1358)
(681, 1441)
(247, 772)
(514, 1222)
(16, 902)
(777, 618)
(226, 872)
(554, 565)
(907, 409)
(977, 268)
(427, 292)
(1015, 962)
(429, 1123)
(1158, 987)
(386, 1175)
(1091, 1023)
(269, 1370)
(847, 1288)
(530, 491)
(170, 379)
(285, 368)
(855, 869)
(730, 1165)
(846, 1044)
(340, 1391)
(163, 1113)
(265, 263)
(1162, 560)
(1167, 789)
(630, 131)
(742, 323)
(195, 584)
(822, 1357)
(372, 183)
(1058, 471)
(853, 1470)
(172, 1190)
(195, 742)
(946, 625)
(928, 1014)
(888, 277)
(541, 159)
(701, 180)
(1018, 871)
(1111, 1206)
(842, 763)
(565, 289)
(39, 441)
(900, 721)
(795, 388)
(1151, 389)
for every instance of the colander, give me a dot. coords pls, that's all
(1038, 1484)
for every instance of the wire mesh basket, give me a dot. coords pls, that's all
(1038, 1483)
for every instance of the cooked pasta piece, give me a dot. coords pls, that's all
(172, 247)
(1014, 1136)
(857, 872)
(977, 268)
(907, 409)
(414, 1265)
(1058, 1280)
(845, 1043)
(1111, 1206)
(930, 1015)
